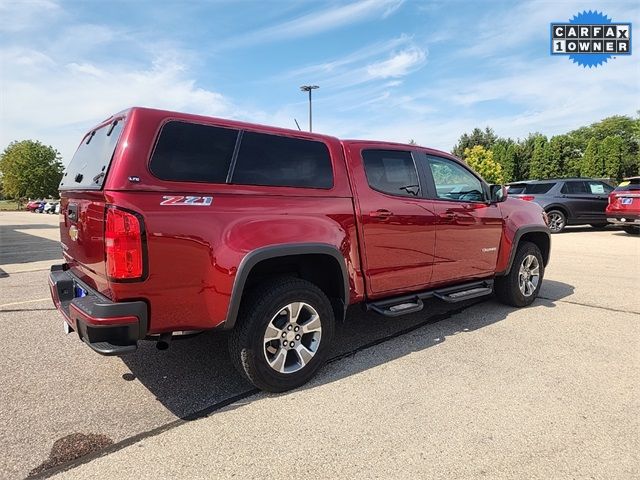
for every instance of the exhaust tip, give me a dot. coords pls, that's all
(163, 341)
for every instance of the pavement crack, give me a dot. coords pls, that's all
(609, 309)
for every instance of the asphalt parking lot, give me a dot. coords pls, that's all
(480, 390)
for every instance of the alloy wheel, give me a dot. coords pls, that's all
(529, 275)
(292, 337)
(556, 221)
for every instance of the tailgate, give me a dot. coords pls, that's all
(82, 235)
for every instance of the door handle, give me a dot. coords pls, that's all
(381, 213)
(447, 216)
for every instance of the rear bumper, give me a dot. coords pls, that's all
(623, 218)
(109, 328)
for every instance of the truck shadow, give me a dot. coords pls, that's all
(21, 247)
(195, 375)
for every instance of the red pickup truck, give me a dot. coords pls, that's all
(174, 223)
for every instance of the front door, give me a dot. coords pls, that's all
(468, 228)
(587, 199)
(397, 224)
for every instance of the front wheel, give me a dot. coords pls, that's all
(632, 230)
(557, 221)
(284, 331)
(521, 285)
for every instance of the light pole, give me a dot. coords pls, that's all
(308, 88)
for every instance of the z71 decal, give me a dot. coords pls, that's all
(186, 200)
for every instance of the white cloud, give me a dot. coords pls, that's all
(319, 21)
(366, 53)
(399, 65)
(56, 102)
(22, 15)
(384, 61)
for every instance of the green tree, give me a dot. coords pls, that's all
(486, 138)
(589, 165)
(481, 160)
(30, 169)
(562, 158)
(611, 153)
(524, 155)
(507, 153)
(539, 158)
(627, 128)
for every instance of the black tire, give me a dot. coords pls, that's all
(632, 230)
(557, 221)
(258, 309)
(507, 287)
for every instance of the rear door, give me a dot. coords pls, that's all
(397, 222)
(82, 208)
(468, 228)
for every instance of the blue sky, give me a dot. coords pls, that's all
(387, 69)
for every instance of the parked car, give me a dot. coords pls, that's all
(174, 222)
(49, 207)
(567, 201)
(33, 205)
(624, 206)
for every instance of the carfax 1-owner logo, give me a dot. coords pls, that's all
(591, 38)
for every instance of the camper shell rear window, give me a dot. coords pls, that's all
(89, 166)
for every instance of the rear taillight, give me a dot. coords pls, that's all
(124, 245)
(528, 198)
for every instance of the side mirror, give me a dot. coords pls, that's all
(498, 193)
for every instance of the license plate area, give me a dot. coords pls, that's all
(78, 291)
(626, 201)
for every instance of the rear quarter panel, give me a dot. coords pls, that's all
(194, 252)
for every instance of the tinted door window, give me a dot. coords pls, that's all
(282, 161)
(392, 172)
(454, 182)
(575, 188)
(193, 153)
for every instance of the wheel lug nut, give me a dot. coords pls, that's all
(289, 327)
(297, 337)
(284, 343)
(284, 334)
(296, 329)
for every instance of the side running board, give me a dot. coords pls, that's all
(396, 306)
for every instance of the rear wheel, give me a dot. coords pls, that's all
(283, 334)
(632, 230)
(521, 285)
(557, 221)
